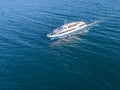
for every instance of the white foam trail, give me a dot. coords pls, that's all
(95, 23)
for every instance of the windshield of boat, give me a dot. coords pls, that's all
(61, 28)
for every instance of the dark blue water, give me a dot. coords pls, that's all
(86, 61)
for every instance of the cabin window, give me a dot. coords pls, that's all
(63, 27)
(72, 25)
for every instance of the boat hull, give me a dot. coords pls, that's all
(72, 32)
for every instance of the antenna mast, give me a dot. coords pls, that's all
(65, 22)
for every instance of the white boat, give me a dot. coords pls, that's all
(67, 30)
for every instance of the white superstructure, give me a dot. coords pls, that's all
(67, 29)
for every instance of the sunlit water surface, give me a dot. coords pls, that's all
(89, 60)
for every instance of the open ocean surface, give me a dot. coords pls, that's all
(86, 61)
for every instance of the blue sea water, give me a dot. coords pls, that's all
(86, 61)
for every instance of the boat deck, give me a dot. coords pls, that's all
(67, 27)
